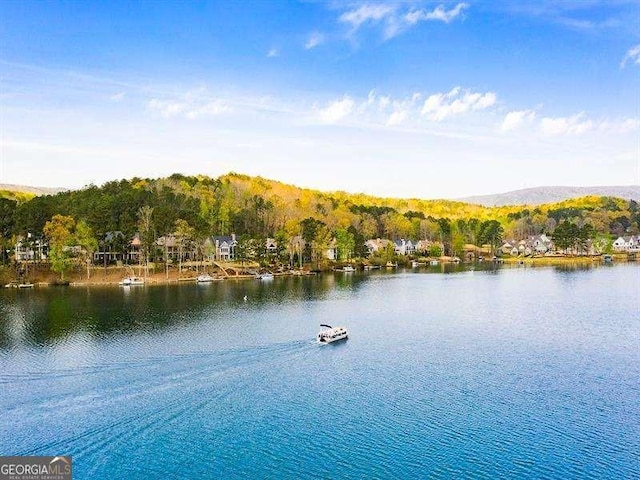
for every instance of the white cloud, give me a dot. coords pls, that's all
(213, 108)
(411, 111)
(394, 20)
(439, 106)
(397, 117)
(384, 101)
(366, 13)
(574, 125)
(273, 53)
(439, 13)
(314, 40)
(194, 104)
(336, 110)
(633, 56)
(516, 119)
(402, 110)
(117, 97)
(620, 127)
(371, 98)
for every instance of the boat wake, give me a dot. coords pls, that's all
(107, 406)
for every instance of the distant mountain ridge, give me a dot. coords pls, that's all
(542, 195)
(33, 190)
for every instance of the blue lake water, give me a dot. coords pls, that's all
(512, 373)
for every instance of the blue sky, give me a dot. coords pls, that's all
(406, 98)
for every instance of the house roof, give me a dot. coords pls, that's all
(402, 242)
(111, 236)
(136, 241)
(225, 239)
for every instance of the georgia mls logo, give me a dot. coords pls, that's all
(60, 465)
(35, 468)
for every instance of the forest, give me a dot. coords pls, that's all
(199, 207)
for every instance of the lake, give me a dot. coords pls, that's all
(511, 372)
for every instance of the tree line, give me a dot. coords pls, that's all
(198, 207)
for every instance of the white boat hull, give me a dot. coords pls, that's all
(333, 334)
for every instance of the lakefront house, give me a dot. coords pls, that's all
(627, 244)
(225, 247)
(30, 248)
(404, 247)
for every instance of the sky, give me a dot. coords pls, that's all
(391, 98)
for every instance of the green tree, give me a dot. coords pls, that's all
(145, 227)
(445, 234)
(245, 248)
(491, 233)
(388, 253)
(457, 243)
(86, 240)
(7, 224)
(360, 250)
(435, 250)
(281, 239)
(185, 234)
(603, 244)
(345, 244)
(565, 235)
(583, 236)
(310, 231)
(59, 233)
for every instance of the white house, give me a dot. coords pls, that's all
(540, 243)
(625, 244)
(225, 247)
(403, 247)
(271, 246)
(29, 249)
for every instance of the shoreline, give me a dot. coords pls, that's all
(112, 276)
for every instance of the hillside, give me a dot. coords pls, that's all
(255, 208)
(542, 195)
(258, 206)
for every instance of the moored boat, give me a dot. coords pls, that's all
(130, 281)
(204, 278)
(331, 334)
(346, 269)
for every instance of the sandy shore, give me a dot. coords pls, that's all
(100, 276)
